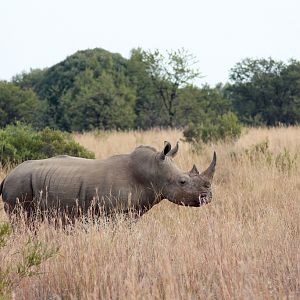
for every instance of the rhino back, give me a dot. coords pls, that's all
(67, 179)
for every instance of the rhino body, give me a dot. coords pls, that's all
(131, 181)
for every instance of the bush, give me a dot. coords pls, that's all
(259, 152)
(20, 142)
(284, 161)
(31, 256)
(224, 127)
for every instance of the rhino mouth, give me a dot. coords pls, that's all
(204, 199)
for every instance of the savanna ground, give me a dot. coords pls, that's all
(244, 245)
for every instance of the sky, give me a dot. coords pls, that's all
(41, 33)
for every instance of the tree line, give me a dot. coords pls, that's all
(96, 89)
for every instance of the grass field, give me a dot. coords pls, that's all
(244, 245)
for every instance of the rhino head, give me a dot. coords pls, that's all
(185, 188)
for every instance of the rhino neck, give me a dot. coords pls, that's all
(143, 169)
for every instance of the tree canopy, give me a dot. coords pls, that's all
(97, 89)
(265, 91)
(17, 104)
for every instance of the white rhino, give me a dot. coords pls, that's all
(135, 181)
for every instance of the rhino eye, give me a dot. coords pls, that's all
(182, 181)
(207, 185)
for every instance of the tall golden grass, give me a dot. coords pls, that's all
(244, 245)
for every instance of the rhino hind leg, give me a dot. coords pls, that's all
(19, 210)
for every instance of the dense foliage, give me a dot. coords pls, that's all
(223, 127)
(265, 91)
(96, 89)
(89, 89)
(20, 142)
(17, 104)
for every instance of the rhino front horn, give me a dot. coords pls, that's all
(209, 172)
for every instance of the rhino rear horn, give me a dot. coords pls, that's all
(209, 172)
(166, 150)
(173, 152)
(194, 171)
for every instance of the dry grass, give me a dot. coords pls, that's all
(244, 245)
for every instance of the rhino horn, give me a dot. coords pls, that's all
(194, 171)
(166, 150)
(209, 172)
(173, 152)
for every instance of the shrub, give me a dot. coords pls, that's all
(260, 151)
(224, 127)
(31, 256)
(284, 161)
(20, 142)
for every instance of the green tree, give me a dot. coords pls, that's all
(290, 90)
(17, 104)
(148, 108)
(30, 80)
(197, 105)
(89, 89)
(265, 91)
(169, 74)
(94, 104)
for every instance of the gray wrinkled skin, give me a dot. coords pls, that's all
(135, 181)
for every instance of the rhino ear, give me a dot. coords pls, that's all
(166, 150)
(173, 152)
(209, 172)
